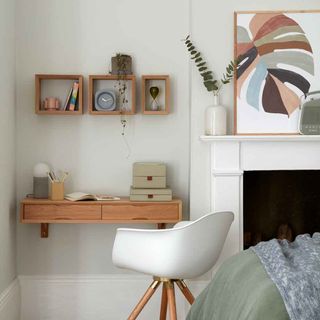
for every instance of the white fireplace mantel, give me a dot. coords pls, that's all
(231, 156)
(268, 138)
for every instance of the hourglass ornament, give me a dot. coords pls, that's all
(154, 91)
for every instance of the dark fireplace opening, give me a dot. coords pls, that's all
(280, 204)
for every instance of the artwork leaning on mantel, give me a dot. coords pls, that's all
(279, 59)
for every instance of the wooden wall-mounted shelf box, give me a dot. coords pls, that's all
(98, 82)
(44, 212)
(60, 89)
(161, 81)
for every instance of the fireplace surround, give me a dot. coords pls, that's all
(232, 156)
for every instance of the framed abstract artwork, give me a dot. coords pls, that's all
(278, 55)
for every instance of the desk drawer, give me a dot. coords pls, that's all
(62, 212)
(141, 211)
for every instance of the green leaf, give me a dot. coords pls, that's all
(202, 69)
(191, 48)
(206, 73)
(208, 77)
(188, 37)
(211, 85)
(193, 52)
(196, 56)
(198, 60)
(189, 44)
(201, 64)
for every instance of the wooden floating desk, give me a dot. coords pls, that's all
(44, 211)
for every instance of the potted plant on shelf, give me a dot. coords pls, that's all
(121, 66)
(216, 114)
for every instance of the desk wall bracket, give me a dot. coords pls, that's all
(44, 230)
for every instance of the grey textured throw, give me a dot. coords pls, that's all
(295, 270)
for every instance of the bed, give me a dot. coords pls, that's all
(275, 280)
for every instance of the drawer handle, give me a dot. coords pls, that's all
(150, 196)
(149, 178)
(62, 218)
(137, 218)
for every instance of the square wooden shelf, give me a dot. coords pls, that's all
(58, 86)
(163, 83)
(98, 82)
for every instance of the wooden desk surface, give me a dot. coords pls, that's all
(123, 200)
(45, 211)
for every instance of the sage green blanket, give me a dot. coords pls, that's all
(240, 290)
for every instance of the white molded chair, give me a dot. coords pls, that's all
(186, 251)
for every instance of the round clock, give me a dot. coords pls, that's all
(105, 100)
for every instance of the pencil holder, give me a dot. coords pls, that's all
(57, 191)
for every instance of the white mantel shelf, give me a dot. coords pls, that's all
(267, 138)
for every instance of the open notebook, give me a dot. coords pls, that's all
(79, 196)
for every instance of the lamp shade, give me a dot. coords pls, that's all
(41, 170)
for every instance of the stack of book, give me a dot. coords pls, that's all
(150, 182)
(71, 101)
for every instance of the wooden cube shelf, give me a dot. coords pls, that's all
(63, 84)
(96, 83)
(164, 92)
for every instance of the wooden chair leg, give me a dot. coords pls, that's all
(151, 290)
(171, 300)
(164, 303)
(185, 290)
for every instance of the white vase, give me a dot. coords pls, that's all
(216, 119)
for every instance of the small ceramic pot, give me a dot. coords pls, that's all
(51, 104)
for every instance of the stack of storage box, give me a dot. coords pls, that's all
(150, 182)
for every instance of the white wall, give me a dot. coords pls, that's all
(7, 145)
(80, 37)
(212, 31)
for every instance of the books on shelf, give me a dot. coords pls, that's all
(68, 100)
(74, 96)
(79, 196)
(70, 104)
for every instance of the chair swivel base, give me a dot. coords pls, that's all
(168, 297)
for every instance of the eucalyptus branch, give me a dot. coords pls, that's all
(209, 81)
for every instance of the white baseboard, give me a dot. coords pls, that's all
(101, 297)
(10, 302)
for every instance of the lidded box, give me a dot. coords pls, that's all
(150, 194)
(149, 175)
